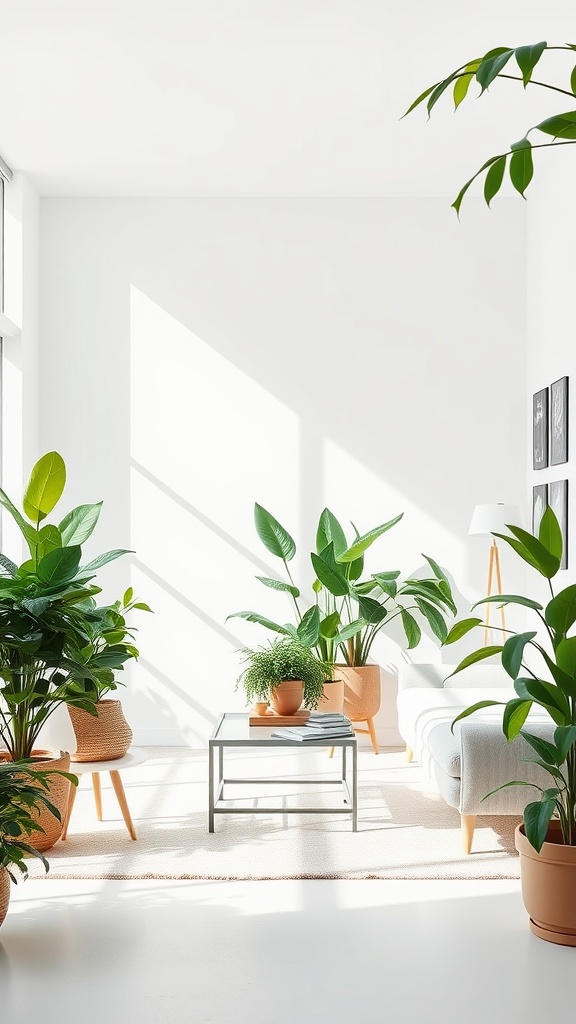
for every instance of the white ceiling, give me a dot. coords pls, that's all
(256, 97)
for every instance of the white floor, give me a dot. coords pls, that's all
(274, 952)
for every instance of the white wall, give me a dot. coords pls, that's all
(198, 355)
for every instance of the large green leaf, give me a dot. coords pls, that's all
(328, 572)
(460, 629)
(537, 817)
(564, 680)
(273, 536)
(488, 163)
(309, 628)
(48, 539)
(367, 539)
(527, 602)
(330, 532)
(548, 752)
(77, 526)
(389, 587)
(549, 696)
(515, 714)
(573, 80)
(513, 652)
(329, 625)
(527, 58)
(561, 126)
(370, 610)
(564, 738)
(45, 486)
(560, 612)
(462, 83)
(350, 630)
(411, 629)
(261, 620)
(532, 551)
(521, 168)
(492, 64)
(479, 706)
(476, 656)
(28, 532)
(550, 534)
(566, 656)
(59, 565)
(434, 617)
(108, 556)
(279, 585)
(494, 178)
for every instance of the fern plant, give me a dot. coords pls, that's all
(282, 660)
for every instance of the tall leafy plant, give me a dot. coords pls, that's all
(348, 612)
(23, 792)
(547, 680)
(44, 625)
(514, 64)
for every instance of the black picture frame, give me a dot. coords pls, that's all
(540, 429)
(539, 503)
(558, 422)
(558, 501)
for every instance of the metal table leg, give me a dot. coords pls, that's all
(210, 787)
(355, 787)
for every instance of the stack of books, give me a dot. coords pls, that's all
(321, 726)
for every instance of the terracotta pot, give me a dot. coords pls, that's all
(58, 795)
(4, 893)
(260, 707)
(105, 736)
(361, 691)
(333, 699)
(549, 886)
(287, 697)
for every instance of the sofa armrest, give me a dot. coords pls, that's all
(488, 761)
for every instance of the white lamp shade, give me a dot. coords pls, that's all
(488, 519)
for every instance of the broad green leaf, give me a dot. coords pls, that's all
(367, 539)
(560, 613)
(430, 590)
(420, 99)
(531, 550)
(458, 201)
(564, 738)
(566, 656)
(411, 629)
(330, 532)
(493, 179)
(479, 706)
(352, 629)
(527, 58)
(491, 66)
(549, 696)
(36, 605)
(392, 575)
(308, 629)
(550, 534)
(564, 680)
(59, 565)
(329, 625)
(48, 539)
(476, 656)
(370, 610)
(274, 537)
(45, 486)
(434, 617)
(261, 620)
(561, 126)
(108, 556)
(28, 532)
(509, 599)
(329, 573)
(537, 820)
(513, 652)
(515, 714)
(573, 80)
(354, 569)
(78, 525)
(462, 83)
(548, 752)
(390, 587)
(279, 585)
(439, 90)
(9, 567)
(459, 629)
(521, 167)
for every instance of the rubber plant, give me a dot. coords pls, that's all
(513, 64)
(45, 612)
(547, 680)
(348, 612)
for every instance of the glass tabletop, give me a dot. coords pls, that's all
(233, 728)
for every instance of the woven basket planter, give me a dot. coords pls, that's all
(361, 690)
(4, 893)
(105, 736)
(58, 795)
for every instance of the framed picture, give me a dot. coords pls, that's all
(539, 503)
(559, 421)
(540, 429)
(558, 501)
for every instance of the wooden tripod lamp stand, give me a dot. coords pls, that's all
(487, 520)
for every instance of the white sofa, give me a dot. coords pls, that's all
(475, 758)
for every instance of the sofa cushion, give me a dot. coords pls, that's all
(420, 710)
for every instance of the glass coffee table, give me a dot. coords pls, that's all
(233, 730)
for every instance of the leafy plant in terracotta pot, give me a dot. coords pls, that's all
(44, 625)
(349, 611)
(23, 790)
(285, 673)
(102, 733)
(542, 664)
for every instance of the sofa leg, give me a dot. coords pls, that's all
(468, 823)
(409, 754)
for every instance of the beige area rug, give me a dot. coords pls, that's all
(405, 829)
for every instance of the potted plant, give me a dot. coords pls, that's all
(348, 612)
(285, 673)
(542, 665)
(516, 64)
(44, 625)
(102, 733)
(23, 789)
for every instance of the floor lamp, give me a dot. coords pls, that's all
(487, 520)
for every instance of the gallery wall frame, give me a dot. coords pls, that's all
(539, 503)
(540, 429)
(558, 501)
(558, 425)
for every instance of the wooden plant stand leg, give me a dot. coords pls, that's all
(409, 754)
(68, 812)
(372, 731)
(121, 797)
(97, 794)
(468, 823)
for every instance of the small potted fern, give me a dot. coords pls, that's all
(285, 673)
